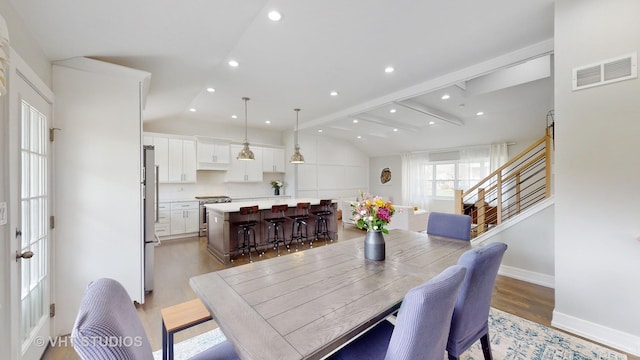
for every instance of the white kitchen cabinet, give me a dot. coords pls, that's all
(244, 170)
(163, 226)
(161, 146)
(212, 155)
(184, 217)
(273, 160)
(182, 160)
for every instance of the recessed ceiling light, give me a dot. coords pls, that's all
(392, 111)
(480, 113)
(233, 63)
(319, 130)
(274, 15)
(359, 137)
(192, 110)
(431, 122)
(210, 89)
(234, 116)
(355, 121)
(445, 97)
(267, 121)
(395, 129)
(333, 93)
(389, 69)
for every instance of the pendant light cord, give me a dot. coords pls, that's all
(245, 117)
(296, 134)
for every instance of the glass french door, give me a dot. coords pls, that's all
(32, 233)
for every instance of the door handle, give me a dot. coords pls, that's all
(18, 233)
(24, 255)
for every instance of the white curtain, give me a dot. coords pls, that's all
(473, 164)
(406, 179)
(414, 191)
(498, 155)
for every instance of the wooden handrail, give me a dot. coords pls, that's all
(493, 186)
(513, 160)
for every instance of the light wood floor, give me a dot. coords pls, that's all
(178, 260)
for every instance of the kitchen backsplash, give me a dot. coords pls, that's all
(212, 183)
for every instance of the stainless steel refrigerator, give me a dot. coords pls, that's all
(150, 209)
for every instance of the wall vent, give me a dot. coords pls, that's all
(608, 71)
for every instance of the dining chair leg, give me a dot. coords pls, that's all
(486, 347)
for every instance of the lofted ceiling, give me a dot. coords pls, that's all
(317, 47)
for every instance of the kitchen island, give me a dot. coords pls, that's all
(222, 233)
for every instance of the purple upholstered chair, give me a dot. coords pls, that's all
(421, 328)
(108, 327)
(453, 226)
(471, 314)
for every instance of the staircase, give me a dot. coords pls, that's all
(516, 186)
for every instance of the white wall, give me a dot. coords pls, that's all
(333, 168)
(24, 44)
(97, 182)
(530, 237)
(597, 177)
(392, 190)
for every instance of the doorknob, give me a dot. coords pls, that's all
(18, 233)
(24, 255)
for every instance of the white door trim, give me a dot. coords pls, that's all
(20, 68)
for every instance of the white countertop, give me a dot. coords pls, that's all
(262, 204)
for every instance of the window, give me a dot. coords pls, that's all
(436, 175)
(442, 178)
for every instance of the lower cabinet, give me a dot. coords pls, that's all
(177, 218)
(163, 226)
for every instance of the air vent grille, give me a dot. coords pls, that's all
(608, 71)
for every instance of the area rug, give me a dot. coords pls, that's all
(512, 338)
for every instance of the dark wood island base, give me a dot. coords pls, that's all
(222, 234)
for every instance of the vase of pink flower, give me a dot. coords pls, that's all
(372, 214)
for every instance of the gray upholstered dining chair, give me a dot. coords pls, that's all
(455, 226)
(471, 313)
(108, 327)
(422, 325)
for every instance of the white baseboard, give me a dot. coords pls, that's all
(598, 333)
(528, 276)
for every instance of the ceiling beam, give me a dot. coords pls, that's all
(384, 121)
(415, 106)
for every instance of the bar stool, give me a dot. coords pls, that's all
(276, 223)
(246, 229)
(299, 220)
(322, 228)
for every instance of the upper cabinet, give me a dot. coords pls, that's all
(273, 160)
(175, 157)
(212, 154)
(244, 170)
(161, 145)
(182, 160)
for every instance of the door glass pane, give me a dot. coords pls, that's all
(34, 200)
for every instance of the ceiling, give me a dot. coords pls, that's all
(317, 47)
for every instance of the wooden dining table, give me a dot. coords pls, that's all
(307, 304)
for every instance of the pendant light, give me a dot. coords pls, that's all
(296, 158)
(245, 153)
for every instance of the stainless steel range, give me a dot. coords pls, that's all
(203, 210)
